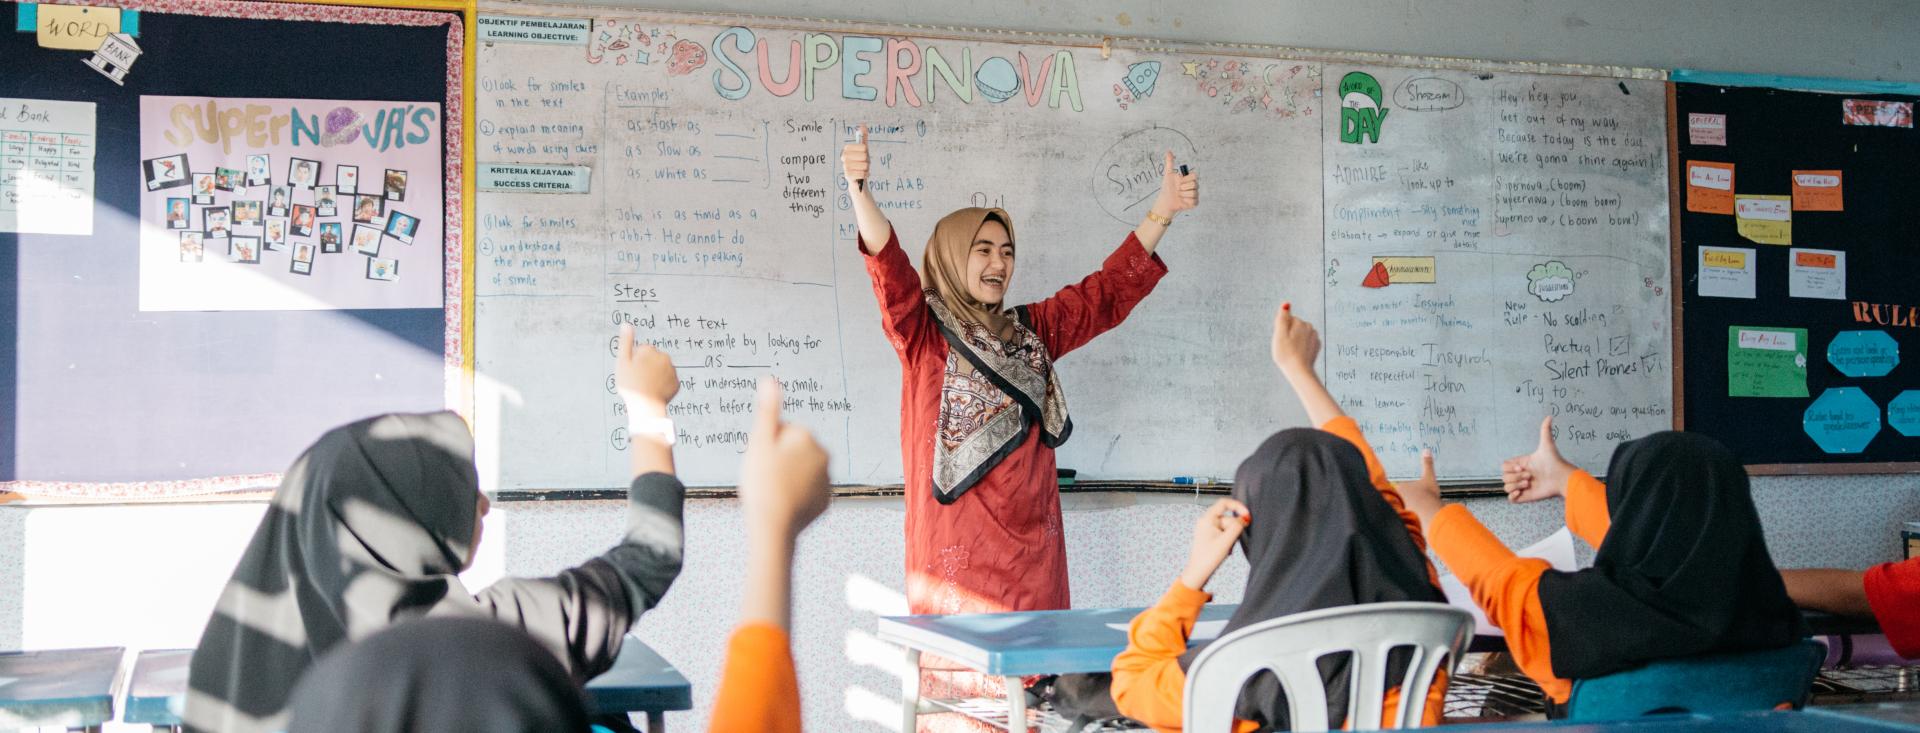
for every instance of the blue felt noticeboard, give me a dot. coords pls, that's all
(92, 390)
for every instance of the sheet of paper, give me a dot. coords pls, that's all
(534, 178)
(1842, 420)
(551, 31)
(1863, 354)
(1877, 113)
(1406, 270)
(1556, 549)
(1903, 413)
(1706, 129)
(1764, 219)
(1727, 272)
(75, 27)
(46, 166)
(1817, 191)
(1817, 273)
(1766, 362)
(1709, 187)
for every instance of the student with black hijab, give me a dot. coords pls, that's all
(1681, 569)
(473, 675)
(370, 527)
(1321, 527)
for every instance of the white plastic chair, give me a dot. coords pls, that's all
(1291, 646)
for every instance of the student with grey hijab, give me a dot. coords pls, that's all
(371, 526)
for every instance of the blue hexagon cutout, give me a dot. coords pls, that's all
(1903, 413)
(1842, 420)
(1863, 353)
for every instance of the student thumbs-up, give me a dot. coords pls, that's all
(783, 481)
(1541, 474)
(854, 161)
(1422, 495)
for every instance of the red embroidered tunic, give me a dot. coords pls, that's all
(998, 547)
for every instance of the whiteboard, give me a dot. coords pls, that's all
(719, 225)
(1522, 223)
(716, 221)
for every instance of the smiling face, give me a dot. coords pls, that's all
(990, 264)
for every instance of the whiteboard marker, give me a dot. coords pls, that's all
(1194, 480)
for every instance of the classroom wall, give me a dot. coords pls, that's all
(142, 575)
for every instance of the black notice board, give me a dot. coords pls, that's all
(1770, 134)
(94, 391)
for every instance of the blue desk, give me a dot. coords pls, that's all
(157, 689)
(640, 682)
(1789, 721)
(70, 688)
(1889, 715)
(1015, 645)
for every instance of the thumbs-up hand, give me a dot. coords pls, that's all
(1541, 474)
(783, 478)
(1422, 495)
(643, 375)
(1178, 191)
(854, 161)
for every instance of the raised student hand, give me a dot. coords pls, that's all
(1213, 536)
(783, 480)
(643, 374)
(853, 160)
(1541, 474)
(1178, 192)
(1422, 495)
(1295, 342)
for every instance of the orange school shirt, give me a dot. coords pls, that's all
(1893, 591)
(1507, 586)
(758, 690)
(1148, 683)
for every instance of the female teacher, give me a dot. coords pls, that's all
(982, 407)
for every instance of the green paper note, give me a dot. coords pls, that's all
(1766, 362)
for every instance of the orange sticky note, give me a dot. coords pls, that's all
(1815, 258)
(1709, 187)
(1816, 191)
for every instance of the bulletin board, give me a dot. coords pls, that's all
(1797, 248)
(141, 355)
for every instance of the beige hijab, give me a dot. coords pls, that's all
(944, 268)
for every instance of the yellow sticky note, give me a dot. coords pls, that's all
(1732, 259)
(75, 27)
(1764, 219)
(1408, 269)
